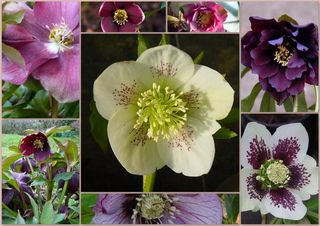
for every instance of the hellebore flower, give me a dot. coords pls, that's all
(205, 16)
(36, 144)
(158, 209)
(73, 184)
(284, 55)
(22, 179)
(22, 165)
(120, 16)
(162, 110)
(48, 40)
(277, 173)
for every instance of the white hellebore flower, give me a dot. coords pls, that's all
(277, 173)
(162, 110)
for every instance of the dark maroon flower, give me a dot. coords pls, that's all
(284, 55)
(73, 184)
(22, 165)
(120, 16)
(36, 144)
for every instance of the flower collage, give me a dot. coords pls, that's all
(160, 112)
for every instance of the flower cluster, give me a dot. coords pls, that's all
(283, 54)
(278, 174)
(158, 209)
(165, 107)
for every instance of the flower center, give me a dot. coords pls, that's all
(38, 144)
(62, 36)
(274, 174)
(282, 55)
(204, 19)
(152, 207)
(161, 111)
(120, 16)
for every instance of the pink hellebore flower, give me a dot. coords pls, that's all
(205, 16)
(48, 41)
(120, 16)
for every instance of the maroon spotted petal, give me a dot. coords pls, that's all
(258, 153)
(299, 177)
(255, 189)
(287, 150)
(282, 198)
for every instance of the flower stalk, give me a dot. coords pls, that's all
(54, 107)
(64, 189)
(49, 182)
(295, 104)
(148, 182)
(37, 187)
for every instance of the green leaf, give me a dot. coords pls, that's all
(19, 219)
(247, 103)
(70, 150)
(63, 176)
(25, 113)
(224, 133)
(47, 215)
(33, 84)
(313, 217)
(142, 46)
(40, 102)
(287, 18)
(89, 200)
(245, 71)
(199, 58)
(276, 220)
(35, 207)
(8, 161)
(165, 40)
(233, 117)
(40, 180)
(13, 55)
(288, 105)
(98, 127)
(14, 18)
(312, 204)
(14, 148)
(232, 207)
(54, 130)
(9, 91)
(267, 104)
(302, 103)
(58, 218)
(302, 221)
(152, 12)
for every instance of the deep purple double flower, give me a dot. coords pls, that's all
(284, 55)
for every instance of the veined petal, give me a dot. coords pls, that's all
(61, 76)
(107, 25)
(254, 146)
(117, 84)
(294, 139)
(215, 94)
(136, 153)
(247, 202)
(169, 61)
(191, 152)
(12, 72)
(282, 203)
(135, 14)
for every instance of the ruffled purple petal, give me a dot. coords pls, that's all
(261, 55)
(107, 25)
(135, 14)
(7, 195)
(128, 27)
(258, 24)
(266, 70)
(12, 72)
(296, 87)
(106, 9)
(41, 155)
(279, 81)
(295, 73)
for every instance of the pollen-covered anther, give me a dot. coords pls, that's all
(278, 173)
(38, 144)
(205, 19)
(62, 36)
(161, 111)
(120, 17)
(282, 55)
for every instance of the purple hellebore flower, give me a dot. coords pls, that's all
(120, 16)
(48, 40)
(22, 179)
(22, 165)
(158, 209)
(7, 195)
(36, 144)
(73, 184)
(284, 55)
(205, 16)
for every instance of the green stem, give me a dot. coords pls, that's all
(54, 107)
(295, 103)
(264, 219)
(4, 206)
(148, 182)
(37, 187)
(49, 182)
(64, 189)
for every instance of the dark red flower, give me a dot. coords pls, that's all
(36, 144)
(284, 55)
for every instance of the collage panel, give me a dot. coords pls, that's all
(40, 59)
(115, 16)
(279, 155)
(40, 171)
(203, 16)
(279, 56)
(147, 107)
(159, 208)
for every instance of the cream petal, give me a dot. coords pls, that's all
(247, 203)
(137, 154)
(117, 84)
(311, 166)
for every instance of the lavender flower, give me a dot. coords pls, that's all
(284, 55)
(22, 165)
(158, 209)
(278, 174)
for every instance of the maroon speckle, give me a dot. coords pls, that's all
(299, 177)
(184, 138)
(164, 69)
(139, 136)
(254, 187)
(123, 95)
(283, 198)
(286, 150)
(258, 153)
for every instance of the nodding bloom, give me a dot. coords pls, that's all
(36, 144)
(22, 165)
(120, 16)
(205, 16)
(158, 209)
(277, 173)
(48, 40)
(284, 55)
(162, 110)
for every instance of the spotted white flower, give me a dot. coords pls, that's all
(162, 110)
(278, 174)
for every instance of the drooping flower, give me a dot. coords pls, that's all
(284, 55)
(22, 165)
(205, 16)
(120, 16)
(36, 144)
(73, 184)
(48, 40)
(278, 174)
(162, 110)
(158, 209)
